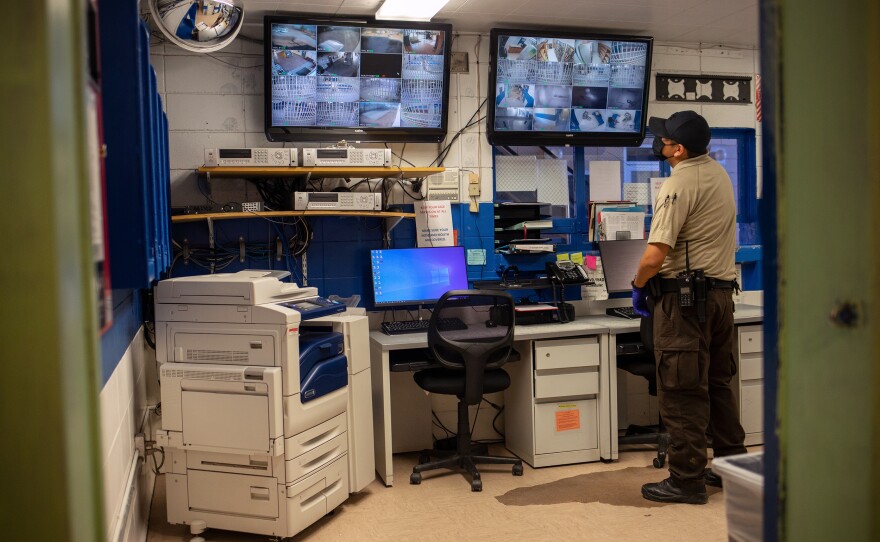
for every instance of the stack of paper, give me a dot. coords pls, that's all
(616, 224)
(597, 210)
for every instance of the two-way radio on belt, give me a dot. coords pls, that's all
(692, 287)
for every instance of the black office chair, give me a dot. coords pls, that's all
(638, 359)
(471, 354)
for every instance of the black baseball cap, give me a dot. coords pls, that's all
(685, 127)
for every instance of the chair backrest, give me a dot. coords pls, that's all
(482, 338)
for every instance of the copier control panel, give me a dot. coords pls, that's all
(314, 307)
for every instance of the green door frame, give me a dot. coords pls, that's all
(823, 193)
(49, 390)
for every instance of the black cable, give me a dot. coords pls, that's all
(468, 124)
(410, 194)
(147, 338)
(445, 152)
(441, 426)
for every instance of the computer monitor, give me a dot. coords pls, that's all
(620, 261)
(567, 87)
(413, 276)
(331, 78)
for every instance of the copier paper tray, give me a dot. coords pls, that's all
(327, 376)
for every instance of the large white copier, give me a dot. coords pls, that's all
(266, 425)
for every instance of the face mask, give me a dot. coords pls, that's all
(657, 147)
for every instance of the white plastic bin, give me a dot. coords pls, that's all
(743, 477)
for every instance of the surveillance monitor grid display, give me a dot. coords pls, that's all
(410, 276)
(351, 76)
(569, 85)
(620, 261)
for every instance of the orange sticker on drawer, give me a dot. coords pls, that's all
(568, 420)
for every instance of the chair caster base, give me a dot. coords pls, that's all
(415, 478)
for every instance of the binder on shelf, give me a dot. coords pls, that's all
(617, 223)
(532, 241)
(595, 211)
(532, 224)
(527, 248)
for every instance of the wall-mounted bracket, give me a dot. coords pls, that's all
(731, 89)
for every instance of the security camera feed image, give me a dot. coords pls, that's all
(553, 84)
(351, 76)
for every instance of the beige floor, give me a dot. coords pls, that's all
(592, 501)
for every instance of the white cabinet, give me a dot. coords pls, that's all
(749, 383)
(552, 405)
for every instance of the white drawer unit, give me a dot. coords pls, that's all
(253, 503)
(551, 412)
(749, 382)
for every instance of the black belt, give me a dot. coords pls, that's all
(669, 286)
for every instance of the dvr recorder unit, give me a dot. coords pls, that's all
(337, 201)
(346, 157)
(266, 157)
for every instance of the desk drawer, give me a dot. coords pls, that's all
(567, 353)
(566, 427)
(562, 383)
(750, 367)
(751, 340)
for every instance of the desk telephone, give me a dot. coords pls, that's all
(567, 272)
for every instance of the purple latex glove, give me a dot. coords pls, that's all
(640, 301)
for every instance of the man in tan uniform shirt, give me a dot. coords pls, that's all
(694, 227)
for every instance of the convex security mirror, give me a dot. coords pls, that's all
(200, 26)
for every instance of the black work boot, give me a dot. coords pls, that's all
(712, 479)
(670, 491)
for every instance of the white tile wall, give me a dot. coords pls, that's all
(122, 406)
(217, 102)
(205, 112)
(676, 59)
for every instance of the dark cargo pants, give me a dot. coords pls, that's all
(695, 365)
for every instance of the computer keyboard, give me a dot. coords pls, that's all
(409, 326)
(622, 312)
(416, 326)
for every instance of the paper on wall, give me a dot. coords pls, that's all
(595, 290)
(604, 180)
(433, 223)
(656, 183)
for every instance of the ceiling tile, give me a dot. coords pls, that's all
(706, 12)
(361, 4)
(491, 6)
(746, 20)
(453, 6)
(683, 21)
(329, 6)
(609, 12)
(548, 8)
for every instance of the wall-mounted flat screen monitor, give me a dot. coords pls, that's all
(620, 261)
(412, 276)
(567, 88)
(328, 79)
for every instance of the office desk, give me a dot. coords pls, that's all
(414, 429)
(748, 384)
